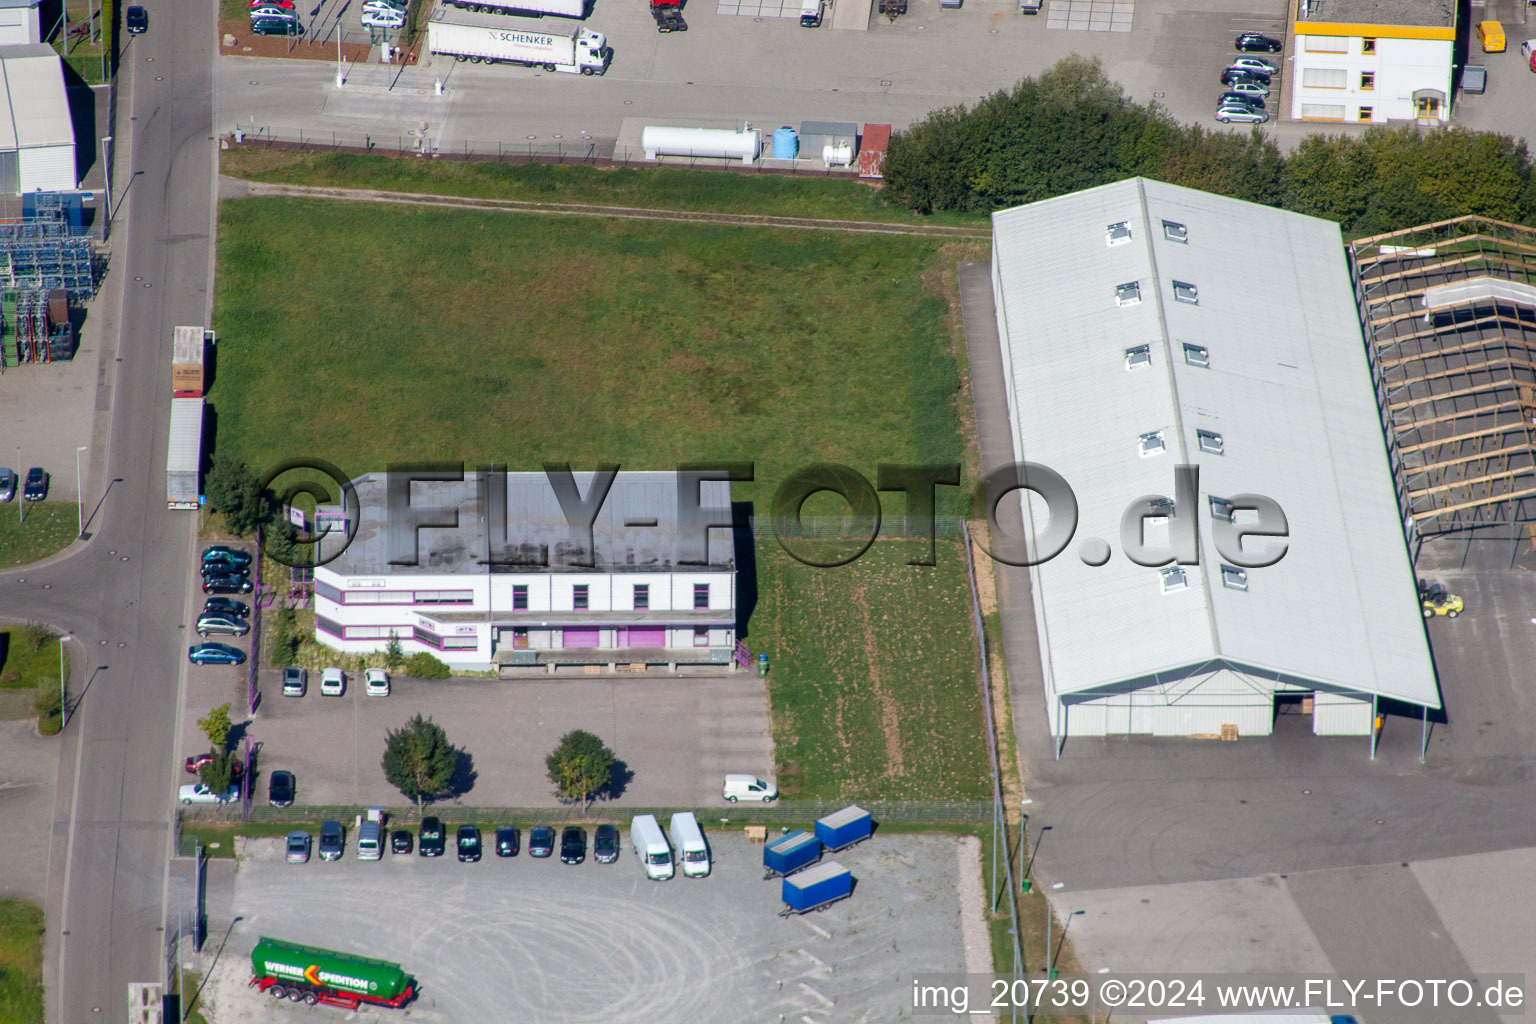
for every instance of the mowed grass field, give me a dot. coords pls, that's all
(369, 335)
(21, 962)
(872, 675)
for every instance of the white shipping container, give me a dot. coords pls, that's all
(493, 39)
(532, 8)
(184, 455)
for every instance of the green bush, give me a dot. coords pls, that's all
(422, 665)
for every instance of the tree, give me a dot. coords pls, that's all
(419, 760)
(283, 638)
(422, 665)
(394, 657)
(219, 774)
(216, 726)
(236, 492)
(580, 766)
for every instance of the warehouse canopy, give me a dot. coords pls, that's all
(1146, 326)
(35, 107)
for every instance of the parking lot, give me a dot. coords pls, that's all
(727, 68)
(676, 736)
(519, 939)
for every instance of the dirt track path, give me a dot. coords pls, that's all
(232, 187)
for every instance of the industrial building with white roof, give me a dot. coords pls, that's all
(480, 596)
(1145, 326)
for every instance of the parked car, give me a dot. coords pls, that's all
(1232, 76)
(1257, 65)
(332, 840)
(197, 762)
(215, 654)
(376, 683)
(468, 842)
(7, 484)
(286, 5)
(274, 11)
(36, 488)
(223, 569)
(333, 683)
(573, 845)
(225, 553)
(507, 841)
(605, 844)
(1258, 89)
(225, 606)
(1258, 42)
(748, 787)
(295, 681)
(400, 841)
(226, 583)
(136, 20)
(541, 841)
(383, 19)
(281, 788)
(386, 6)
(298, 848)
(276, 27)
(197, 793)
(1242, 113)
(224, 625)
(1241, 99)
(429, 837)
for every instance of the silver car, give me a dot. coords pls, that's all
(1257, 89)
(1241, 113)
(7, 484)
(1259, 64)
(298, 847)
(221, 625)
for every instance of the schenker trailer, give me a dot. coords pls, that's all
(489, 39)
(305, 974)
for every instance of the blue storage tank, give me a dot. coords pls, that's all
(786, 144)
(845, 827)
(823, 884)
(791, 853)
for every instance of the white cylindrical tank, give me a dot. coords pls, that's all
(725, 143)
(839, 155)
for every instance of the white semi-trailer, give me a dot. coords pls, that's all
(528, 8)
(491, 39)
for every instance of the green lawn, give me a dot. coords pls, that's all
(670, 188)
(49, 528)
(369, 335)
(872, 676)
(23, 668)
(21, 962)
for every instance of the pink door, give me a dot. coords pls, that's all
(649, 636)
(578, 637)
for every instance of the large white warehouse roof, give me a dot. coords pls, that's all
(1139, 309)
(34, 108)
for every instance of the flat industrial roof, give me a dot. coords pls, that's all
(1416, 13)
(1286, 389)
(34, 107)
(636, 529)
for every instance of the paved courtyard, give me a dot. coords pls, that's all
(677, 737)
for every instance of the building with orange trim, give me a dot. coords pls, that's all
(1372, 61)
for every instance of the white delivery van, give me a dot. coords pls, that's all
(747, 787)
(370, 835)
(688, 841)
(651, 846)
(810, 13)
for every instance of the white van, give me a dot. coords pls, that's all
(747, 787)
(688, 840)
(810, 13)
(651, 846)
(370, 835)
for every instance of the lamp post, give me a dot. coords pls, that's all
(1023, 838)
(106, 169)
(181, 988)
(63, 694)
(79, 493)
(1050, 964)
(1038, 840)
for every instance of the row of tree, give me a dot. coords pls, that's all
(1072, 128)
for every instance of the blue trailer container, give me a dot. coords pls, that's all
(811, 890)
(845, 827)
(790, 853)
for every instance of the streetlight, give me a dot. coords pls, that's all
(106, 168)
(181, 988)
(63, 696)
(1038, 840)
(1050, 964)
(1023, 834)
(21, 505)
(79, 493)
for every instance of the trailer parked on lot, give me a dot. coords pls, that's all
(526, 8)
(306, 974)
(841, 829)
(819, 887)
(790, 853)
(187, 345)
(184, 454)
(492, 39)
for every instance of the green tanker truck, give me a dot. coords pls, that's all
(305, 974)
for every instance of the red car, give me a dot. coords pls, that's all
(286, 5)
(197, 762)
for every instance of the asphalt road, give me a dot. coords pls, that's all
(123, 594)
